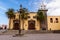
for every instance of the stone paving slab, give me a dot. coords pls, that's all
(32, 37)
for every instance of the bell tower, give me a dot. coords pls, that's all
(44, 11)
(43, 8)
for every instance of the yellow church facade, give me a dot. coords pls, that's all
(31, 23)
(53, 22)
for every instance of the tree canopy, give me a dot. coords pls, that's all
(40, 15)
(10, 13)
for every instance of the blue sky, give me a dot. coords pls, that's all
(15, 4)
(31, 5)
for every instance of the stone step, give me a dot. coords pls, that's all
(25, 32)
(36, 32)
(9, 32)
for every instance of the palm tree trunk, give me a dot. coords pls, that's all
(9, 23)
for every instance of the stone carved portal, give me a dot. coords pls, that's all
(16, 25)
(31, 25)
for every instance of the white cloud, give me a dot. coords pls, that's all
(2, 6)
(53, 8)
(35, 5)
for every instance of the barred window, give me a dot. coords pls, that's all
(51, 20)
(28, 16)
(56, 20)
(34, 16)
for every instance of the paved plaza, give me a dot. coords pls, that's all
(48, 36)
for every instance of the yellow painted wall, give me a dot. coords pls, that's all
(25, 24)
(11, 25)
(37, 24)
(54, 25)
(16, 15)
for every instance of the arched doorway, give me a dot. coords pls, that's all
(16, 25)
(31, 25)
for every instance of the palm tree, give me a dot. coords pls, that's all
(40, 17)
(24, 15)
(10, 15)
